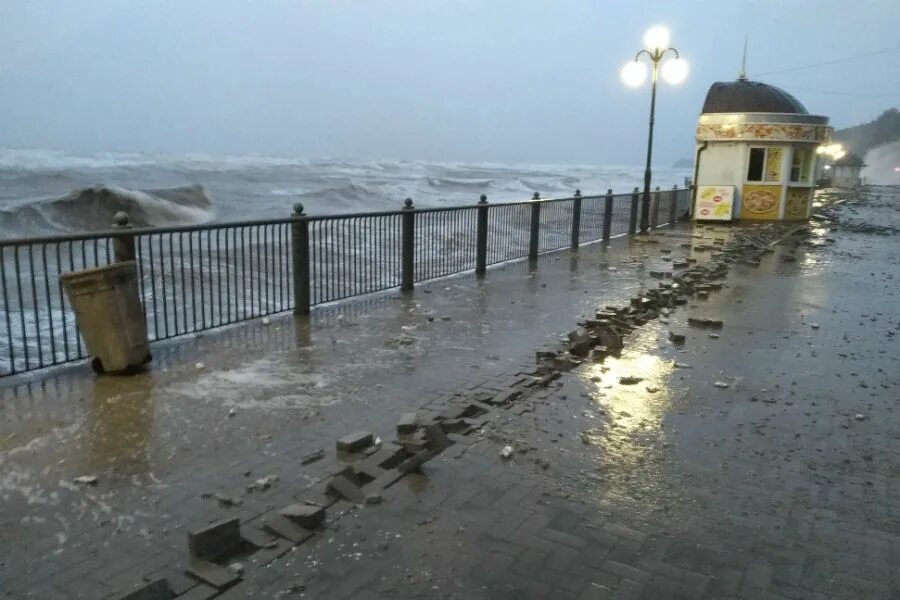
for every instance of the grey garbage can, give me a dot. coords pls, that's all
(109, 314)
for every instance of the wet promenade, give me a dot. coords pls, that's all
(780, 485)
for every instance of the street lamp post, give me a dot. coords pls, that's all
(674, 71)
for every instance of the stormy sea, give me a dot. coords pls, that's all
(195, 279)
(45, 192)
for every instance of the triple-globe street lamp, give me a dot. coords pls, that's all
(674, 70)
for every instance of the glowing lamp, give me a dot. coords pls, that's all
(634, 73)
(656, 38)
(675, 70)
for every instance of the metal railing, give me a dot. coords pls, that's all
(200, 277)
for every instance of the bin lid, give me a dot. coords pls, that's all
(106, 274)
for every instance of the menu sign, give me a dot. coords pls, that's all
(714, 202)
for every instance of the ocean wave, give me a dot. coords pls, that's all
(92, 208)
(452, 184)
(340, 198)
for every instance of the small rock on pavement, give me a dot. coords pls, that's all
(228, 500)
(86, 480)
(720, 384)
(232, 412)
(236, 568)
(630, 380)
(266, 321)
(262, 484)
(814, 325)
(507, 452)
(199, 366)
(860, 417)
(374, 499)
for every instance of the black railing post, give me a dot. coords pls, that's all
(534, 240)
(123, 244)
(481, 237)
(576, 220)
(300, 259)
(673, 210)
(654, 218)
(632, 222)
(408, 246)
(607, 215)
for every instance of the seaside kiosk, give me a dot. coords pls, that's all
(845, 171)
(756, 154)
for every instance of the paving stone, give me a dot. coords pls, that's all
(758, 576)
(415, 462)
(287, 528)
(178, 582)
(408, 423)
(155, 590)
(355, 442)
(208, 572)
(305, 515)
(367, 471)
(215, 540)
(389, 478)
(595, 591)
(342, 486)
(200, 592)
(387, 457)
(312, 457)
(437, 438)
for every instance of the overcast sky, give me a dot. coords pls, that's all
(470, 80)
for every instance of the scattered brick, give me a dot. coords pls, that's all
(306, 515)
(355, 441)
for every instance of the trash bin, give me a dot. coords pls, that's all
(109, 314)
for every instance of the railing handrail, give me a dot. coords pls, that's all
(138, 231)
(192, 278)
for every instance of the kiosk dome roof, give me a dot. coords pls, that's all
(743, 96)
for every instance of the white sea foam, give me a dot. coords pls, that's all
(242, 187)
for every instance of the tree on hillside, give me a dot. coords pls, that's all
(859, 139)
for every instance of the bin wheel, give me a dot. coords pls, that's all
(97, 366)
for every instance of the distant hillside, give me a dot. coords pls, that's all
(859, 139)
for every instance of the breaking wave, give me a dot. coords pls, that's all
(883, 165)
(90, 209)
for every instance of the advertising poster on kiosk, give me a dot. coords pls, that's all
(714, 202)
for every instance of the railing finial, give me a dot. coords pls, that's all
(483, 199)
(298, 209)
(408, 203)
(537, 196)
(120, 219)
(578, 193)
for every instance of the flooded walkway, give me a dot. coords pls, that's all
(780, 485)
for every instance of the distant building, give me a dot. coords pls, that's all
(756, 153)
(845, 171)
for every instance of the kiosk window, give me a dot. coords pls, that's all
(757, 164)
